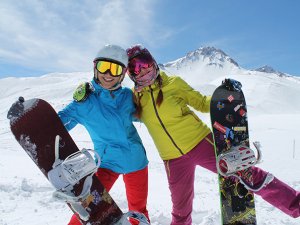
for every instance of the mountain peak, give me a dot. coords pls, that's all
(269, 69)
(211, 56)
(214, 53)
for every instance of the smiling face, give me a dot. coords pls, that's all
(106, 80)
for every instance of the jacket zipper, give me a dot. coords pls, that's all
(162, 124)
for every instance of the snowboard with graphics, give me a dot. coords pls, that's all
(37, 128)
(230, 129)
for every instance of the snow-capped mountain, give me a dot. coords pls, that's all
(210, 56)
(274, 118)
(269, 69)
(205, 67)
(205, 60)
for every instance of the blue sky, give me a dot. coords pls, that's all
(39, 37)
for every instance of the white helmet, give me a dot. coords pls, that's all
(113, 52)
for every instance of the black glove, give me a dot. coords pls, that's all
(16, 109)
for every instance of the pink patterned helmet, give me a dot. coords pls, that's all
(140, 58)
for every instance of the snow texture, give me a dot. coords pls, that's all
(274, 120)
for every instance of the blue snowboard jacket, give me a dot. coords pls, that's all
(108, 120)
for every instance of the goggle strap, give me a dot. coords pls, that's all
(109, 60)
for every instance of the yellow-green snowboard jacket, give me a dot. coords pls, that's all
(174, 127)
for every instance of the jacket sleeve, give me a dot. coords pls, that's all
(192, 97)
(69, 116)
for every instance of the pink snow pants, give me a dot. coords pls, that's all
(181, 173)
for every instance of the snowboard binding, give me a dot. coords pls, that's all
(66, 173)
(238, 159)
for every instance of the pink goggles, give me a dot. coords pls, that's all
(141, 61)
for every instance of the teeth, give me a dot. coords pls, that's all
(106, 79)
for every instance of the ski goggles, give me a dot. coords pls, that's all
(141, 61)
(114, 68)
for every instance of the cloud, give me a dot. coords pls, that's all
(65, 35)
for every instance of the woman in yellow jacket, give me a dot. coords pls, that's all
(182, 139)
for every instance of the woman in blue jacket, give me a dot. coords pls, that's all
(105, 109)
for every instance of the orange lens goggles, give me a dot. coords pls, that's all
(114, 68)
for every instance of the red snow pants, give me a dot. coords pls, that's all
(136, 185)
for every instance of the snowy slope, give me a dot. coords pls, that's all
(274, 119)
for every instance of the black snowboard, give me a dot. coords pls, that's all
(35, 124)
(230, 128)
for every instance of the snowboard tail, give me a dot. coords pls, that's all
(35, 128)
(228, 111)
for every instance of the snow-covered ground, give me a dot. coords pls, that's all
(274, 120)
